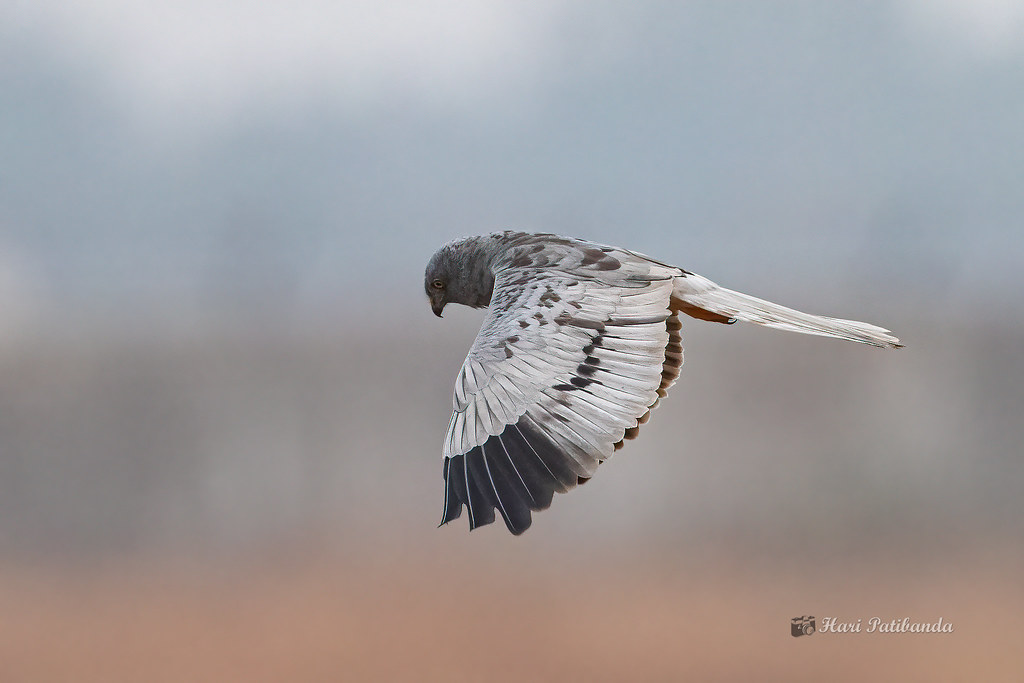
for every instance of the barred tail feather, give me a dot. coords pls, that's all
(694, 291)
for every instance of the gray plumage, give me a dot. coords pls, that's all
(579, 343)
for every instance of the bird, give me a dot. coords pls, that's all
(579, 343)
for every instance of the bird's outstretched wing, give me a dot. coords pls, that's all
(564, 367)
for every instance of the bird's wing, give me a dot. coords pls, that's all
(565, 366)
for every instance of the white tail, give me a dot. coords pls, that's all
(700, 292)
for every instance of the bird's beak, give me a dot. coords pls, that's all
(436, 306)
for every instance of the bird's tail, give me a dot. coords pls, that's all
(701, 298)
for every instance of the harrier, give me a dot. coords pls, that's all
(579, 342)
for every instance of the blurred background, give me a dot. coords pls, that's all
(223, 395)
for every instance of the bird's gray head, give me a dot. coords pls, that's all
(460, 273)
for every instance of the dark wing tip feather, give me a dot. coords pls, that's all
(452, 500)
(514, 473)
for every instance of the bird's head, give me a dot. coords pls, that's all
(435, 282)
(459, 273)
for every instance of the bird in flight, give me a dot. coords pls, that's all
(579, 343)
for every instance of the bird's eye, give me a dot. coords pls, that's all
(437, 284)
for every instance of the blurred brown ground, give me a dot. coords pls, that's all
(408, 618)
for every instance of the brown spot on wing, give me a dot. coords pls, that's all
(592, 256)
(566, 319)
(599, 259)
(549, 298)
(680, 306)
